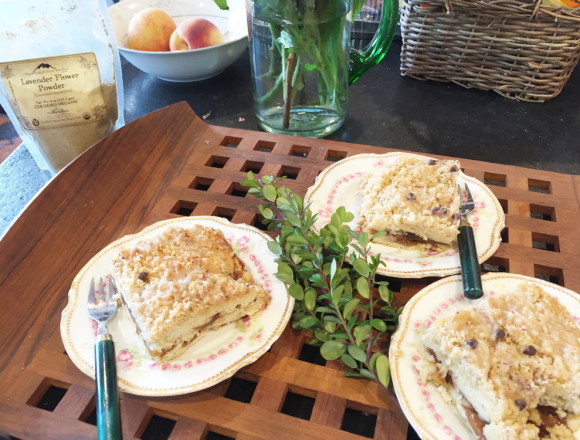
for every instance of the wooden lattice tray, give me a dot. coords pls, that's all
(189, 168)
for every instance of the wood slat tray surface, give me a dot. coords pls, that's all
(170, 164)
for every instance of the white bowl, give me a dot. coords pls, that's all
(187, 65)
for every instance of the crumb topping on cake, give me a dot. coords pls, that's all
(513, 359)
(413, 199)
(182, 282)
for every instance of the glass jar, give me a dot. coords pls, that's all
(302, 61)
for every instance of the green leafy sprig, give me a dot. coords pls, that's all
(332, 276)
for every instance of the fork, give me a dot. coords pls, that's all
(472, 287)
(101, 309)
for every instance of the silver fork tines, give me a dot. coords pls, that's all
(103, 306)
(467, 205)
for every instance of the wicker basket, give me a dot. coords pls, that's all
(521, 50)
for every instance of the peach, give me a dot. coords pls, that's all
(150, 29)
(195, 33)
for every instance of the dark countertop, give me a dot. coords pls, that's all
(384, 109)
(388, 110)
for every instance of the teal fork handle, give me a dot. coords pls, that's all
(108, 418)
(472, 287)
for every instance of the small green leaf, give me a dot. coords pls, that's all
(353, 374)
(322, 309)
(385, 293)
(350, 307)
(222, 4)
(340, 275)
(348, 287)
(362, 285)
(296, 291)
(322, 335)
(308, 321)
(332, 318)
(295, 257)
(308, 256)
(274, 247)
(357, 353)
(270, 192)
(361, 333)
(378, 234)
(306, 271)
(281, 201)
(363, 239)
(267, 179)
(268, 213)
(296, 240)
(310, 299)
(336, 294)
(343, 240)
(256, 192)
(284, 268)
(379, 324)
(250, 183)
(373, 360)
(318, 280)
(285, 278)
(330, 327)
(366, 373)
(383, 371)
(285, 273)
(357, 248)
(332, 269)
(293, 219)
(351, 322)
(332, 350)
(310, 67)
(348, 360)
(362, 267)
(297, 200)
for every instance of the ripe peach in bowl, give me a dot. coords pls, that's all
(195, 33)
(206, 39)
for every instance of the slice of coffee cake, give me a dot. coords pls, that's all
(182, 283)
(414, 199)
(511, 365)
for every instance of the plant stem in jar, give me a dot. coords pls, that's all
(288, 94)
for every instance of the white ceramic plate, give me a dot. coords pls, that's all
(215, 357)
(186, 65)
(339, 185)
(428, 413)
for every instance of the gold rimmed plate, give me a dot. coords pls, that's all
(432, 416)
(215, 357)
(339, 185)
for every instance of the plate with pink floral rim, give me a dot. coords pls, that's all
(339, 185)
(215, 357)
(430, 415)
